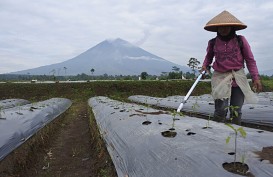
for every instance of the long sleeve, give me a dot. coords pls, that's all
(249, 59)
(210, 53)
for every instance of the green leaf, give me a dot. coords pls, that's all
(236, 113)
(228, 139)
(230, 126)
(242, 132)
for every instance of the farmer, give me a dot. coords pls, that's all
(229, 82)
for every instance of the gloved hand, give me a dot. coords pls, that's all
(205, 68)
(207, 71)
(257, 86)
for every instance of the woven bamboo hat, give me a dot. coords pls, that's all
(224, 19)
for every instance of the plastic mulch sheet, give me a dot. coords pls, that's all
(9, 103)
(21, 122)
(260, 114)
(145, 142)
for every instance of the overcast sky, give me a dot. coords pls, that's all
(34, 33)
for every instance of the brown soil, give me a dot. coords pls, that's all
(73, 148)
(238, 168)
(266, 154)
(70, 153)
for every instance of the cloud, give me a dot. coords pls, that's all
(35, 33)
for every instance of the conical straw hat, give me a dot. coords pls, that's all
(224, 19)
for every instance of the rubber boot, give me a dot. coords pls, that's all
(220, 112)
(219, 118)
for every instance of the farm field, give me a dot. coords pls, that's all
(71, 145)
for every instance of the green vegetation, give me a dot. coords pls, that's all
(194, 64)
(114, 89)
(236, 131)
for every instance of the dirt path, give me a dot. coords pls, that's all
(70, 153)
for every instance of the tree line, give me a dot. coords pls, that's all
(175, 73)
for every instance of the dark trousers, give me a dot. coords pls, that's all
(236, 99)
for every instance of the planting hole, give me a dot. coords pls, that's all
(207, 128)
(172, 129)
(231, 153)
(146, 122)
(237, 168)
(168, 134)
(260, 131)
(191, 133)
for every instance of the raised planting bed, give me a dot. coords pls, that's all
(9, 103)
(143, 141)
(22, 122)
(259, 114)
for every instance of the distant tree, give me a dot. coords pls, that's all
(53, 71)
(175, 75)
(175, 68)
(59, 70)
(144, 75)
(65, 68)
(172, 75)
(189, 75)
(92, 71)
(193, 64)
(28, 75)
(163, 76)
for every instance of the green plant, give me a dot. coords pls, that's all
(243, 157)
(207, 124)
(233, 112)
(157, 101)
(173, 114)
(193, 64)
(195, 106)
(76, 151)
(1, 111)
(19, 109)
(237, 131)
(146, 104)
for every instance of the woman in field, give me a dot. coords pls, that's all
(231, 52)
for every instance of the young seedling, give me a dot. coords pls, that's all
(233, 112)
(1, 110)
(195, 106)
(207, 124)
(130, 109)
(237, 131)
(146, 104)
(208, 121)
(157, 102)
(173, 114)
